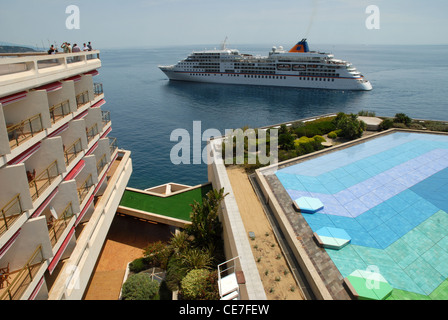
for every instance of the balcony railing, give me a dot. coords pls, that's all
(92, 132)
(19, 132)
(101, 164)
(24, 277)
(82, 98)
(40, 183)
(84, 189)
(105, 116)
(9, 213)
(97, 89)
(113, 145)
(57, 227)
(59, 111)
(72, 151)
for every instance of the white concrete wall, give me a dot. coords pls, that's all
(49, 151)
(67, 92)
(82, 261)
(234, 234)
(32, 234)
(13, 181)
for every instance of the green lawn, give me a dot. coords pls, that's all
(176, 206)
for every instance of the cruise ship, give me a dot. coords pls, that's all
(61, 174)
(299, 67)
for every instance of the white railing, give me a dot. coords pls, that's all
(227, 280)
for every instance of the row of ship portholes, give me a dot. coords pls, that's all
(264, 77)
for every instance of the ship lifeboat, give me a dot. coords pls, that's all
(298, 67)
(284, 67)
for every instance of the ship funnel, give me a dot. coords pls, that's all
(301, 46)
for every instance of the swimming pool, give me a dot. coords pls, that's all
(390, 195)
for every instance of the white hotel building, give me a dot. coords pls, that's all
(61, 175)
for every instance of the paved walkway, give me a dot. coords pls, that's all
(125, 242)
(272, 266)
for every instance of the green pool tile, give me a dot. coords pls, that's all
(401, 253)
(441, 292)
(438, 259)
(398, 294)
(435, 227)
(443, 243)
(424, 275)
(374, 256)
(417, 241)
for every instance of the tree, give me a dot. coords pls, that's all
(351, 127)
(206, 227)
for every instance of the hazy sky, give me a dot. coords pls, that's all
(143, 23)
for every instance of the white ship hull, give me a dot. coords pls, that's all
(297, 68)
(269, 80)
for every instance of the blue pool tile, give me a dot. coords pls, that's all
(409, 196)
(384, 211)
(318, 218)
(370, 200)
(413, 215)
(383, 235)
(368, 220)
(356, 207)
(344, 196)
(399, 225)
(346, 223)
(362, 238)
(397, 203)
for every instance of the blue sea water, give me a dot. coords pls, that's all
(146, 107)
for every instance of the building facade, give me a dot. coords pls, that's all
(61, 175)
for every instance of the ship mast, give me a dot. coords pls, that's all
(223, 44)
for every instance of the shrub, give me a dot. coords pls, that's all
(386, 124)
(140, 286)
(175, 273)
(318, 127)
(138, 265)
(350, 126)
(286, 141)
(402, 118)
(366, 113)
(332, 135)
(199, 284)
(157, 254)
(319, 139)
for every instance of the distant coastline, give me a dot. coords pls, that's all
(15, 49)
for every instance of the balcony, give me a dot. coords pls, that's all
(9, 213)
(72, 151)
(105, 115)
(22, 278)
(57, 227)
(113, 145)
(59, 111)
(101, 164)
(92, 132)
(85, 187)
(24, 130)
(82, 98)
(98, 89)
(40, 183)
